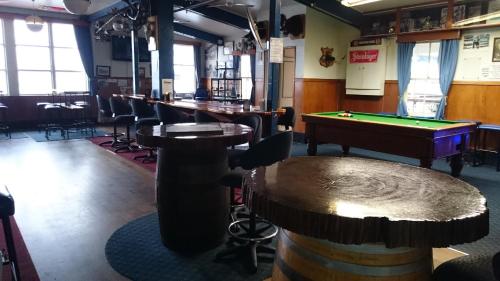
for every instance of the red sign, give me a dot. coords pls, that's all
(363, 56)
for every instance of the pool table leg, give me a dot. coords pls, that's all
(345, 149)
(426, 163)
(456, 164)
(312, 147)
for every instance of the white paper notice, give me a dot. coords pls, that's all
(276, 50)
(471, 68)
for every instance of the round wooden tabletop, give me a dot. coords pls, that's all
(225, 134)
(354, 201)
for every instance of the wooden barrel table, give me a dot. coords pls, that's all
(347, 218)
(192, 206)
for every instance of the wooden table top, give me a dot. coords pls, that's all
(354, 201)
(201, 134)
(211, 106)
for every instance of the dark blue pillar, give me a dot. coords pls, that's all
(162, 60)
(274, 68)
(135, 62)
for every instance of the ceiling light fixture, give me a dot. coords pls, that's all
(33, 22)
(77, 7)
(351, 3)
(477, 19)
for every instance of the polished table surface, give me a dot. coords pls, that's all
(352, 218)
(424, 139)
(193, 208)
(336, 198)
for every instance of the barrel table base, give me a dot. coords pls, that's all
(192, 206)
(303, 258)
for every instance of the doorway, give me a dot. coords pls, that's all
(287, 81)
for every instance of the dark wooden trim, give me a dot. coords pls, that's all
(429, 35)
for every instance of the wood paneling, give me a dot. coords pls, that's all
(474, 102)
(315, 95)
(386, 103)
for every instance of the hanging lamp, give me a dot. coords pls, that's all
(34, 22)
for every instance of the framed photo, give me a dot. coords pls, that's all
(496, 50)
(103, 70)
(142, 72)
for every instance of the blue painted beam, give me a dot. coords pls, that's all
(274, 68)
(336, 10)
(198, 34)
(218, 15)
(106, 11)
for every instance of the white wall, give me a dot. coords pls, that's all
(325, 31)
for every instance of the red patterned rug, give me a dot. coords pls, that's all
(25, 264)
(127, 155)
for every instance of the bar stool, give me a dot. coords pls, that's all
(253, 232)
(122, 117)
(287, 119)
(144, 116)
(7, 209)
(4, 127)
(54, 115)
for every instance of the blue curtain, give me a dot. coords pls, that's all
(252, 72)
(448, 57)
(405, 52)
(84, 42)
(197, 65)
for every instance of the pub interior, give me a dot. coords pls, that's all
(275, 140)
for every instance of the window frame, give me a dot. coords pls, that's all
(5, 68)
(188, 65)
(426, 97)
(52, 69)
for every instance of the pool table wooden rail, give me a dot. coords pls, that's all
(425, 144)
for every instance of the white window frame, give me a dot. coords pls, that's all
(246, 81)
(425, 98)
(194, 69)
(4, 54)
(52, 69)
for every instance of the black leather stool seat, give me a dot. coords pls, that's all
(6, 202)
(7, 209)
(466, 268)
(124, 119)
(147, 122)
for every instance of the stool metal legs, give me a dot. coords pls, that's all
(7, 229)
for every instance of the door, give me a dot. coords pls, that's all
(287, 81)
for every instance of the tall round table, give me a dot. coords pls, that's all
(347, 218)
(192, 157)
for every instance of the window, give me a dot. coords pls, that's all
(424, 92)
(3, 66)
(246, 77)
(48, 59)
(184, 69)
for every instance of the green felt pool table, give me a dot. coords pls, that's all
(424, 139)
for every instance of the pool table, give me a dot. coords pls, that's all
(424, 139)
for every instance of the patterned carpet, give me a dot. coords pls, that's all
(136, 251)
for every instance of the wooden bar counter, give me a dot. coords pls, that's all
(192, 205)
(347, 218)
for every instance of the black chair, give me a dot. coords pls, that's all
(4, 126)
(7, 209)
(54, 118)
(469, 268)
(122, 117)
(105, 111)
(205, 117)
(170, 115)
(288, 118)
(252, 233)
(253, 121)
(144, 116)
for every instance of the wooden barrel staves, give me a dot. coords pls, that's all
(303, 258)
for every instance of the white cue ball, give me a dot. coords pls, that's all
(418, 122)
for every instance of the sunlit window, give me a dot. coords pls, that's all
(184, 69)
(3, 66)
(246, 77)
(424, 92)
(48, 60)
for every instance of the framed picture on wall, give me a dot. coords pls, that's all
(496, 50)
(103, 70)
